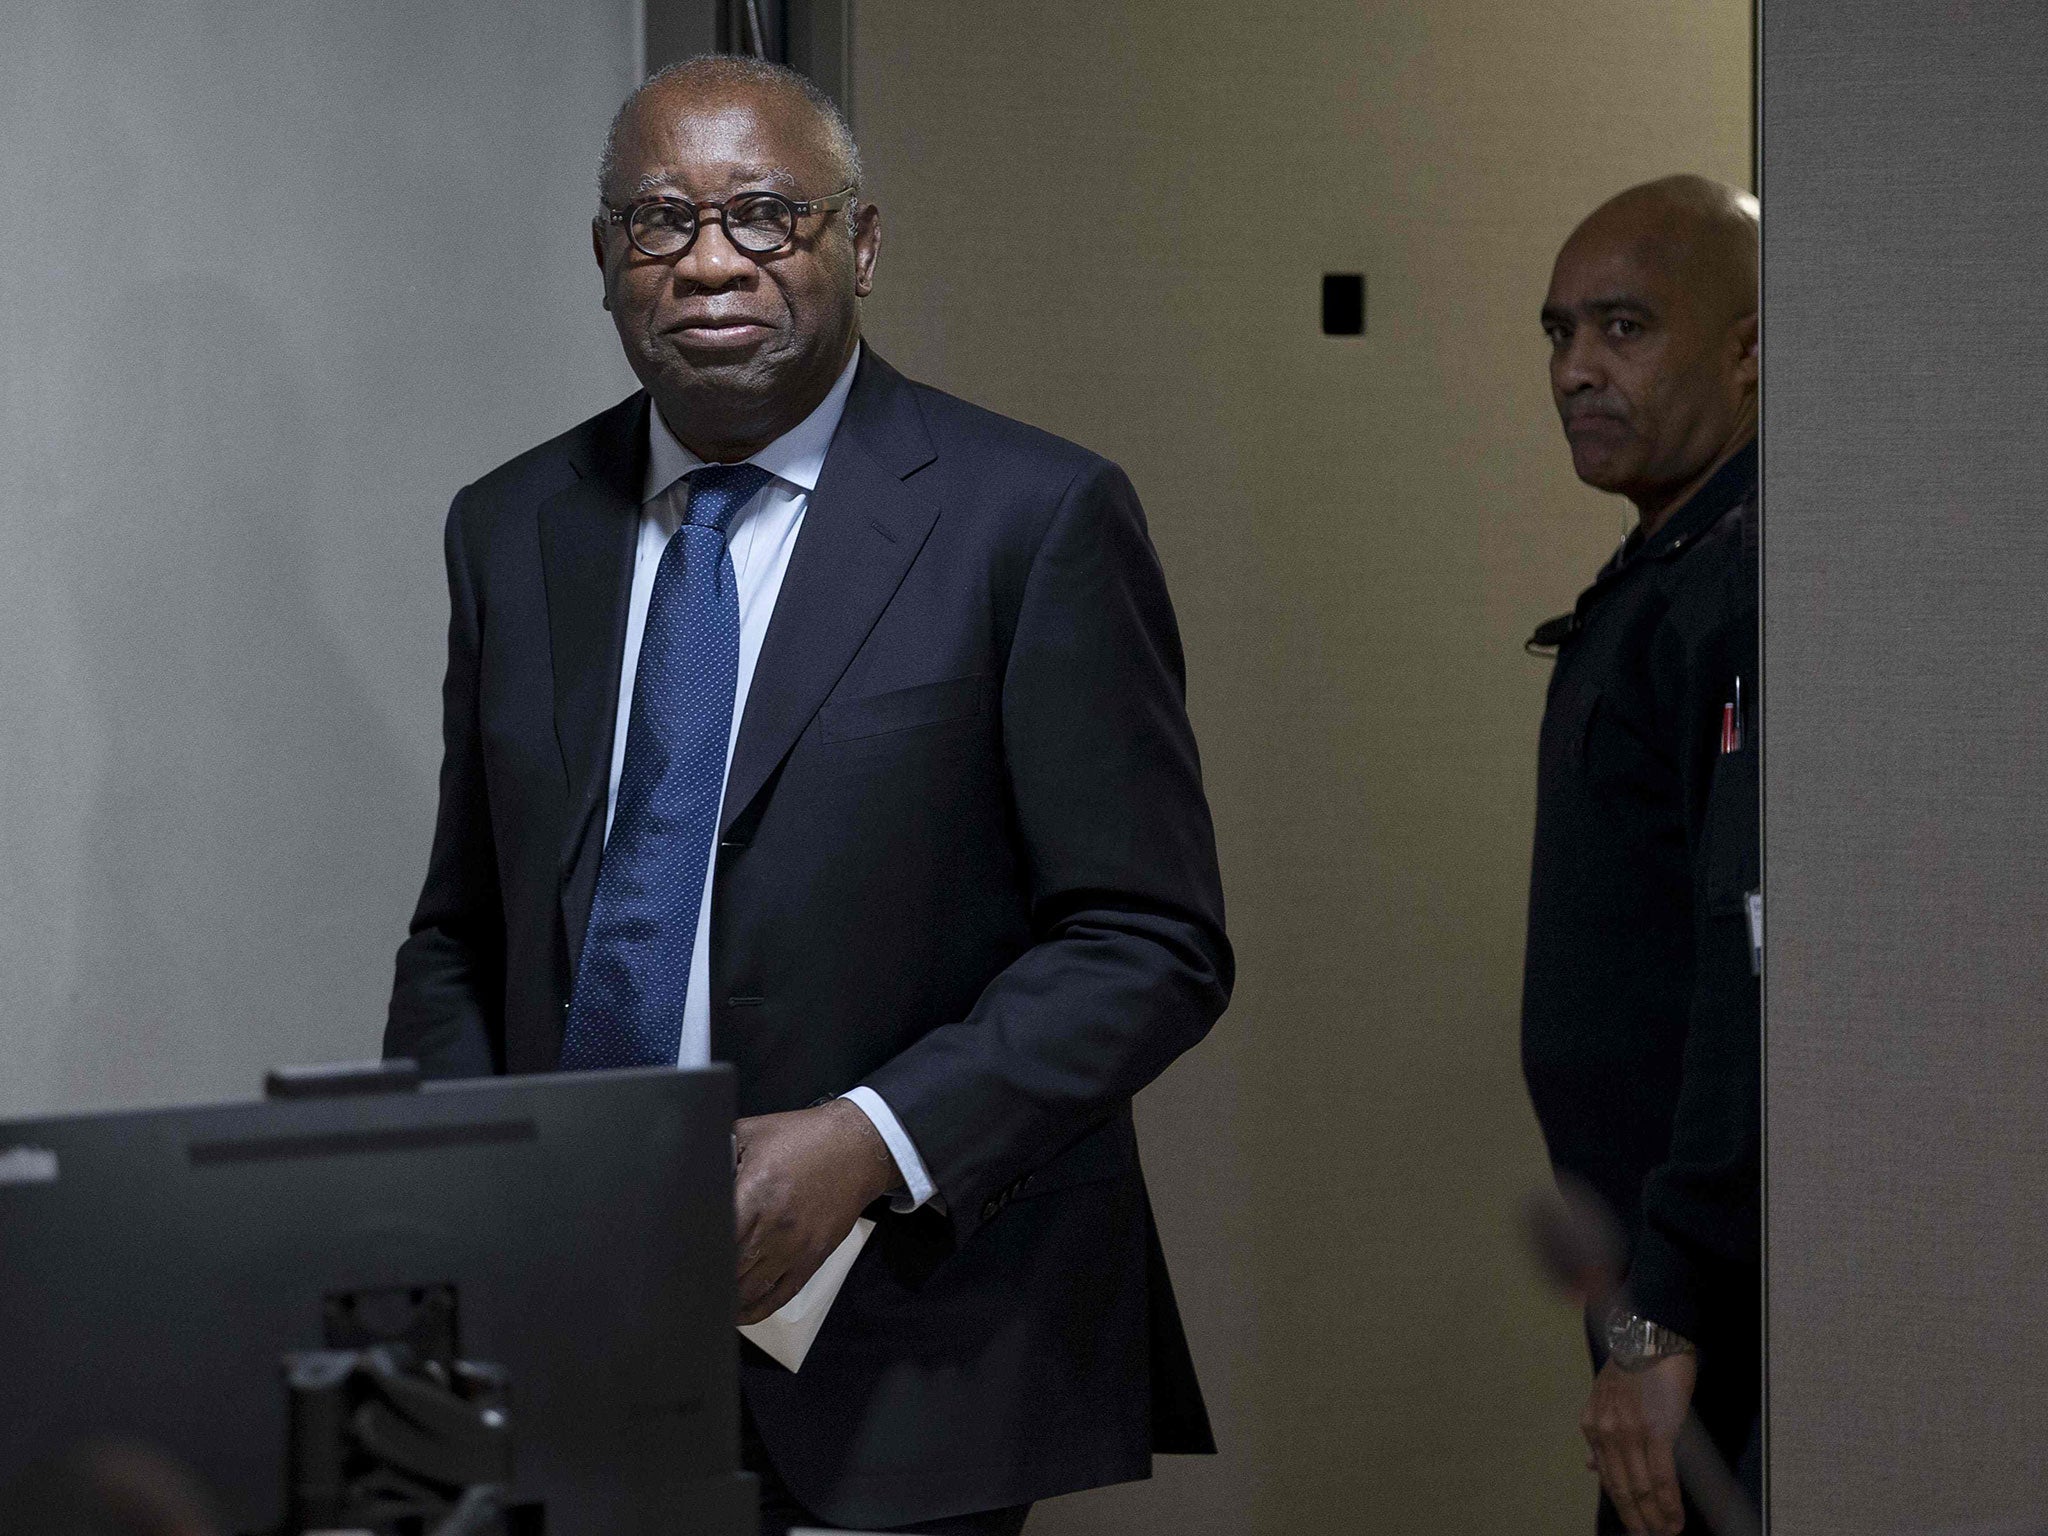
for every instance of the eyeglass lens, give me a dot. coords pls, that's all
(759, 223)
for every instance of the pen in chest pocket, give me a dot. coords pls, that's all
(1731, 722)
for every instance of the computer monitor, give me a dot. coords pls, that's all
(156, 1266)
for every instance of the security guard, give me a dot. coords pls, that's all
(1640, 1008)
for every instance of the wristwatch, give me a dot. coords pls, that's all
(1635, 1343)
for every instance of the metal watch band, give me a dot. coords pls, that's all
(1635, 1343)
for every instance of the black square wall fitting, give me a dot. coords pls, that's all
(1343, 303)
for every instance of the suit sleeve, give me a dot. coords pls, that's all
(1129, 965)
(446, 999)
(1697, 1261)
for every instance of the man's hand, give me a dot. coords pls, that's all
(803, 1178)
(1632, 1422)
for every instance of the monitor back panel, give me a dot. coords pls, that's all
(155, 1266)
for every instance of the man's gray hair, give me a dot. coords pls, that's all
(717, 70)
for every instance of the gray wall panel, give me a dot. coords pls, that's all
(275, 280)
(1906, 206)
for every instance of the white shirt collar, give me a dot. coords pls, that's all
(798, 456)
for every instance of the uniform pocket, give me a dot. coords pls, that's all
(1731, 851)
(1568, 721)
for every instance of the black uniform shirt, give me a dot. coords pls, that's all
(1640, 1009)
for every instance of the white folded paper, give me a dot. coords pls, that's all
(786, 1333)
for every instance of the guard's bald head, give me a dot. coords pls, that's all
(714, 79)
(1701, 233)
(1652, 318)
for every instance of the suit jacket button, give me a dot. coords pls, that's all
(988, 1212)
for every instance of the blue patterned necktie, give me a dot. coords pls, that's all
(635, 972)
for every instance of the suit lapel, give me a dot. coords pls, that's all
(862, 528)
(587, 534)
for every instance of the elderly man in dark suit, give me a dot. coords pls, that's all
(806, 718)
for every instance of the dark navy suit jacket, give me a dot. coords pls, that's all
(964, 858)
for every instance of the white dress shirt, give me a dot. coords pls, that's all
(761, 536)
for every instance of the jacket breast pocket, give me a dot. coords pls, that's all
(904, 709)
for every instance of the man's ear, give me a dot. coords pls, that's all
(597, 250)
(1748, 339)
(867, 247)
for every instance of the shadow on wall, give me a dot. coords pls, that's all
(239, 839)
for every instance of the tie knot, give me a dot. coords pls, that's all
(717, 491)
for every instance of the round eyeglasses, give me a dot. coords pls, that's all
(759, 223)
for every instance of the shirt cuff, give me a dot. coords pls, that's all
(917, 1184)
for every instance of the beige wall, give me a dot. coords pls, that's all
(1110, 219)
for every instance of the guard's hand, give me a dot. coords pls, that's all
(802, 1180)
(1632, 1422)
